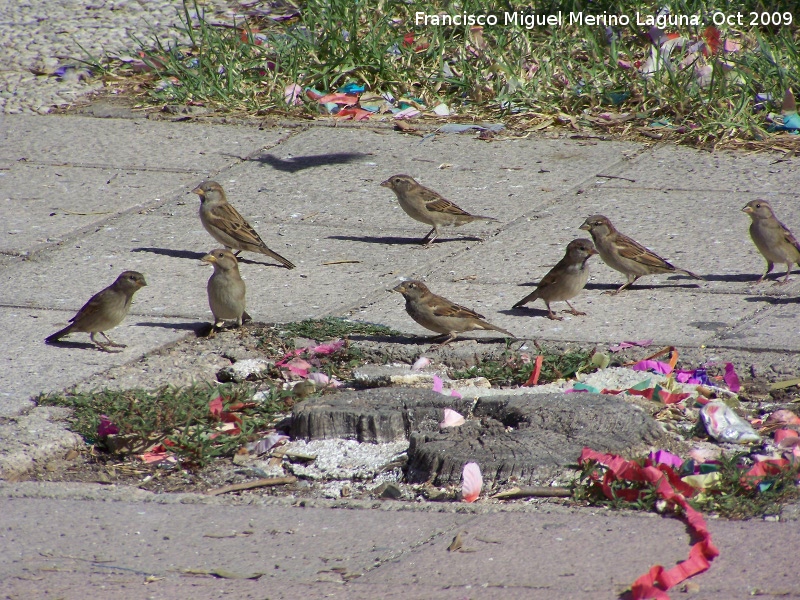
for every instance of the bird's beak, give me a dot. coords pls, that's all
(592, 252)
(399, 288)
(586, 227)
(386, 183)
(144, 283)
(747, 210)
(208, 259)
(199, 192)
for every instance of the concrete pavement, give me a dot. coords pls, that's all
(82, 199)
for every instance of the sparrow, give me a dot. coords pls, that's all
(775, 242)
(439, 314)
(566, 279)
(227, 226)
(105, 310)
(625, 255)
(226, 289)
(427, 206)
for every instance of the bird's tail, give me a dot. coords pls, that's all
(284, 261)
(58, 335)
(529, 298)
(496, 328)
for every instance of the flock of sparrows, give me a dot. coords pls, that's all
(226, 289)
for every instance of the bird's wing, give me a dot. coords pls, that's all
(442, 307)
(789, 237)
(633, 250)
(435, 203)
(91, 307)
(228, 219)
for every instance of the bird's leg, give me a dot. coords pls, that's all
(426, 241)
(572, 310)
(623, 286)
(101, 345)
(770, 265)
(551, 314)
(449, 338)
(785, 277)
(112, 342)
(237, 253)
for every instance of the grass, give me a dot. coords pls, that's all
(733, 496)
(573, 75)
(514, 369)
(333, 328)
(179, 418)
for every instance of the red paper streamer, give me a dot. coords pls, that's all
(655, 583)
(537, 370)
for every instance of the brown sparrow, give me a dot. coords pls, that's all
(427, 206)
(775, 242)
(227, 226)
(226, 290)
(566, 279)
(625, 255)
(105, 310)
(439, 314)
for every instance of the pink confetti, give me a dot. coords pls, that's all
(106, 427)
(438, 385)
(421, 363)
(662, 457)
(472, 482)
(319, 378)
(731, 378)
(267, 443)
(623, 345)
(451, 419)
(455, 394)
(292, 93)
(298, 366)
(653, 365)
(782, 417)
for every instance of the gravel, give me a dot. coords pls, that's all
(45, 41)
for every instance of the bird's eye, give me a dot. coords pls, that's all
(758, 205)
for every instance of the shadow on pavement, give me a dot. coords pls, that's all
(399, 240)
(298, 163)
(173, 253)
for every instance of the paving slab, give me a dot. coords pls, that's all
(44, 204)
(130, 143)
(30, 366)
(668, 167)
(541, 551)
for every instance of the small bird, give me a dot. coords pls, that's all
(439, 314)
(625, 255)
(425, 205)
(566, 279)
(227, 226)
(226, 289)
(775, 242)
(105, 310)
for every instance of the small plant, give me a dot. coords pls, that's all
(734, 495)
(515, 368)
(332, 328)
(183, 419)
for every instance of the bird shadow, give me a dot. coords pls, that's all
(525, 310)
(737, 278)
(173, 253)
(75, 345)
(197, 328)
(777, 300)
(198, 255)
(299, 163)
(367, 239)
(638, 286)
